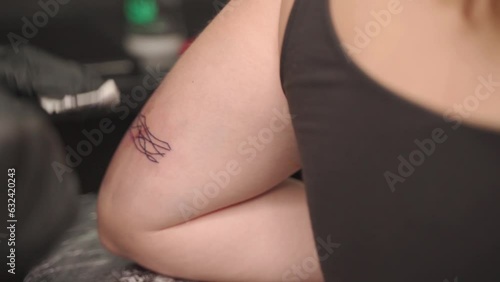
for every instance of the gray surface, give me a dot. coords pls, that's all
(79, 257)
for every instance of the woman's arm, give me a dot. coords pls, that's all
(222, 135)
(221, 106)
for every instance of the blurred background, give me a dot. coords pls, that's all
(67, 66)
(116, 41)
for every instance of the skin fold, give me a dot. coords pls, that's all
(218, 206)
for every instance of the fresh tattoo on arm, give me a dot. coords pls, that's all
(145, 142)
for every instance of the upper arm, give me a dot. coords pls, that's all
(223, 113)
(286, 9)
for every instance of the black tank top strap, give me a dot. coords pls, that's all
(310, 38)
(395, 192)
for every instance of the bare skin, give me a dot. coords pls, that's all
(431, 53)
(221, 94)
(225, 91)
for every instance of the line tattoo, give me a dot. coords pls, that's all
(146, 143)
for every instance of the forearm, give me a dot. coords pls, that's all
(264, 239)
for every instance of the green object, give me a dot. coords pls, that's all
(141, 12)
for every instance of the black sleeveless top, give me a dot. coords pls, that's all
(396, 193)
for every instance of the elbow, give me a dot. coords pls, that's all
(109, 234)
(114, 230)
(109, 242)
(126, 216)
(122, 221)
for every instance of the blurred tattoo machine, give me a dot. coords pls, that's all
(57, 85)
